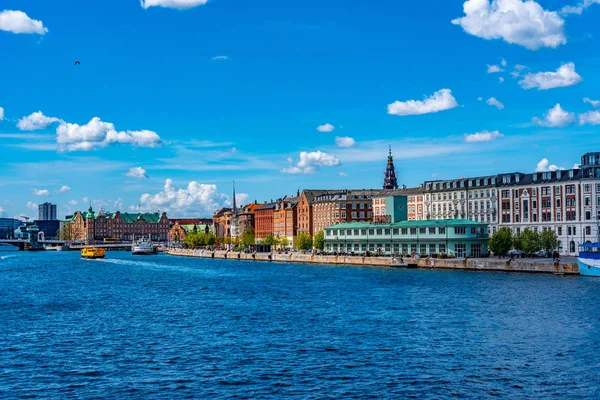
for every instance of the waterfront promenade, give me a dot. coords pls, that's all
(473, 264)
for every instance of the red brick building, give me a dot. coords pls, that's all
(263, 220)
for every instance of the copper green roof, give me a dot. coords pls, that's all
(409, 224)
(128, 218)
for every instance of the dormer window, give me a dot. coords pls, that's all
(571, 174)
(517, 178)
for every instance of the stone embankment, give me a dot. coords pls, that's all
(470, 264)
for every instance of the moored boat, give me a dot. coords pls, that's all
(589, 259)
(143, 247)
(92, 253)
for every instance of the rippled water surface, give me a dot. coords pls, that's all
(165, 327)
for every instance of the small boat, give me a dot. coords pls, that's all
(143, 247)
(92, 253)
(589, 259)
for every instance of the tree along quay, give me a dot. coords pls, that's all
(470, 264)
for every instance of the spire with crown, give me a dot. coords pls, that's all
(390, 182)
(234, 208)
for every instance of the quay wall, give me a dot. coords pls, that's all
(470, 264)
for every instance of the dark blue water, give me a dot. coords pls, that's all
(164, 327)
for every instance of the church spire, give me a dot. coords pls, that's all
(234, 202)
(390, 182)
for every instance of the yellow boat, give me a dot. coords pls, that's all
(92, 253)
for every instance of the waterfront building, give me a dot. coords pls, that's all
(247, 217)
(8, 226)
(49, 229)
(91, 226)
(47, 212)
(334, 207)
(565, 201)
(455, 238)
(415, 203)
(263, 220)
(465, 198)
(222, 222)
(285, 219)
(180, 228)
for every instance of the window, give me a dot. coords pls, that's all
(362, 206)
(379, 232)
(587, 188)
(422, 231)
(476, 250)
(343, 206)
(442, 248)
(363, 232)
(423, 248)
(404, 231)
(413, 231)
(354, 206)
(395, 231)
(588, 230)
(362, 214)
(572, 247)
(460, 250)
(371, 232)
(343, 214)
(432, 231)
(354, 214)
(588, 215)
(404, 248)
(574, 231)
(442, 231)
(387, 232)
(559, 231)
(460, 230)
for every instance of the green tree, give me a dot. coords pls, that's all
(531, 241)
(304, 241)
(269, 240)
(282, 241)
(518, 241)
(248, 236)
(320, 240)
(501, 242)
(193, 240)
(211, 239)
(549, 241)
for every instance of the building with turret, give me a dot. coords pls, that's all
(91, 227)
(391, 181)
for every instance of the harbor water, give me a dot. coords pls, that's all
(169, 327)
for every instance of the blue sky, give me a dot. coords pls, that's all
(188, 99)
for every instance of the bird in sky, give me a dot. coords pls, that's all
(77, 63)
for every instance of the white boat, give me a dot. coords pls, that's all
(142, 247)
(589, 259)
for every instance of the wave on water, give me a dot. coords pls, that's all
(146, 264)
(6, 257)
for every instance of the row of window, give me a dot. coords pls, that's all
(459, 230)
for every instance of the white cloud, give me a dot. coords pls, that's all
(326, 128)
(137, 172)
(64, 189)
(85, 200)
(480, 99)
(41, 192)
(36, 121)
(220, 58)
(503, 63)
(524, 23)
(579, 8)
(96, 134)
(344, 141)
(543, 166)
(19, 22)
(518, 68)
(500, 79)
(172, 3)
(310, 162)
(593, 103)
(483, 136)
(73, 202)
(1, 114)
(556, 117)
(590, 118)
(576, 166)
(492, 69)
(343, 174)
(563, 77)
(196, 198)
(440, 101)
(32, 205)
(493, 102)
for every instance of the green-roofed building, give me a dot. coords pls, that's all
(94, 227)
(457, 238)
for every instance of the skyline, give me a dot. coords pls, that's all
(284, 97)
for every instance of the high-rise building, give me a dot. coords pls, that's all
(47, 212)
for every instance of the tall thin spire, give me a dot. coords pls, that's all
(391, 181)
(234, 202)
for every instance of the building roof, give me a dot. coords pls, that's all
(128, 218)
(518, 179)
(268, 206)
(222, 211)
(409, 224)
(400, 192)
(190, 221)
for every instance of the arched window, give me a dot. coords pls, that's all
(560, 246)
(572, 247)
